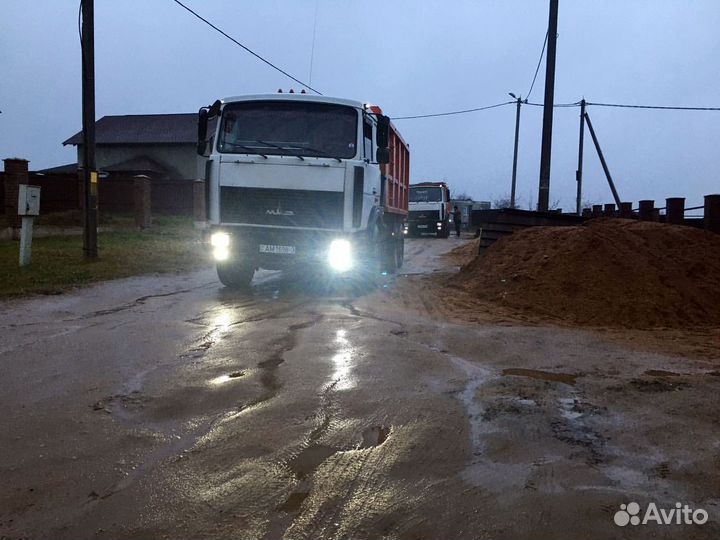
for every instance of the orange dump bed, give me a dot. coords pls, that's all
(397, 174)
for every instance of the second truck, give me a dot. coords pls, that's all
(430, 211)
(293, 179)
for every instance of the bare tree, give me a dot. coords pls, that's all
(503, 202)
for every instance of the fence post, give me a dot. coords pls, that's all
(675, 210)
(16, 173)
(141, 201)
(647, 210)
(712, 213)
(597, 210)
(609, 210)
(626, 210)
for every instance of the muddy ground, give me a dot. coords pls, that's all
(170, 407)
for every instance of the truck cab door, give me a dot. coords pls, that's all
(373, 189)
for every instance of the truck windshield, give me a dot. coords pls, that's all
(289, 128)
(429, 194)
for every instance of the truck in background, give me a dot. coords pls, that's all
(429, 209)
(294, 179)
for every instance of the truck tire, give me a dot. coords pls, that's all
(235, 276)
(445, 231)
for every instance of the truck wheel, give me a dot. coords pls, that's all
(400, 248)
(389, 256)
(235, 276)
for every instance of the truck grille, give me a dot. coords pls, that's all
(424, 215)
(282, 207)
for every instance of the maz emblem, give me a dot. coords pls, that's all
(279, 212)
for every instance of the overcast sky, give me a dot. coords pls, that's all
(412, 57)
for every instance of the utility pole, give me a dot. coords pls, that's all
(515, 153)
(579, 172)
(602, 160)
(544, 189)
(87, 46)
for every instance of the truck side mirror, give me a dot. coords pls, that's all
(383, 131)
(202, 126)
(382, 155)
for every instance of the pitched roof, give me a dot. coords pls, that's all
(70, 168)
(178, 128)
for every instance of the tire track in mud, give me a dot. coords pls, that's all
(177, 444)
(312, 454)
(207, 340)
(135, 303)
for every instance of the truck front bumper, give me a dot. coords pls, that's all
(277, 249)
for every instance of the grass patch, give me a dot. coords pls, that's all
(172, 245)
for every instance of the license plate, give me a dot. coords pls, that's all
(422, 226)
(268, 248)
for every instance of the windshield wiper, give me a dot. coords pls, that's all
(280, 148)
(246, 148)
(322, 154)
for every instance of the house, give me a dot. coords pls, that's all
(161, 146)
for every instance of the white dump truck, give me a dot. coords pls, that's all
(298, 179)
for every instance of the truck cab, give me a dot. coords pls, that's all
(429, 209)
(298, 179)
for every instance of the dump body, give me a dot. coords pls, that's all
(397, 174)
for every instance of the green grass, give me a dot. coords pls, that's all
(171, 245)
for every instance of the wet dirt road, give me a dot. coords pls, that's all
(170, 407)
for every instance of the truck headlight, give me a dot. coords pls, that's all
(340, 255)
(220, 241)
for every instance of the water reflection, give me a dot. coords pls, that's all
(222, 320)
(342, 362)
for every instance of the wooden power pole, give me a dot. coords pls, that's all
(544, 190)
(87, 47)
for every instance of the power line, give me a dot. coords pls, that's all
(464, 111)
(256, 55)
(654, 107)
(537, 69)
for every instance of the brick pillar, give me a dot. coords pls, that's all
(675, 210)
(712, 213)
(609, 210)
(597, 210)
(626, 210)
(141, 202)
(199, 201)
(586, 212)
(647, 210)
(16, 173)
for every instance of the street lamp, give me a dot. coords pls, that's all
(515, 153)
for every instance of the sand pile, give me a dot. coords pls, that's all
(609, 272)
(465, 253)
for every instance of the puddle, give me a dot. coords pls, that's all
(374, 436)
(293, 502)
(565, 378)
(661, 373)
(222, 379)
(642, 385)
(309, 459)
